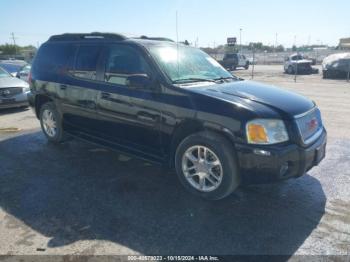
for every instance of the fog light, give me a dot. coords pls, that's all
(284, 168)
(262, 152)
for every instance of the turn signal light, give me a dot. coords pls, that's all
(257, 134)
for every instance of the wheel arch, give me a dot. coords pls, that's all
(40, 100)
(189, 127)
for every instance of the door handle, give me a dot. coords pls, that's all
(63, 87)
(105, 95)
(147, 117)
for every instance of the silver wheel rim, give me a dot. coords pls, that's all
(202, 168)
(49, 123)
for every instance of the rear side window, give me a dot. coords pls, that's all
(53, 60)
(86, 61)
(123, 61)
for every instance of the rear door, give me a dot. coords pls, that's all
(80, 92)
(129, 117)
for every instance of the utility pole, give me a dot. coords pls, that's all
(14, 41)
(240, 39)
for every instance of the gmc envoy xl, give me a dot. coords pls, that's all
(173, 104)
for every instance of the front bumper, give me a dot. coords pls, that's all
(14, 101)
(283, 161)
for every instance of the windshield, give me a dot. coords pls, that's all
(11, 68)
(186, 63)
(3, 73)
(297, 57)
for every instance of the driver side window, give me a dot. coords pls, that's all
(122, 62)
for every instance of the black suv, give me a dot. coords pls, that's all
(175, 105)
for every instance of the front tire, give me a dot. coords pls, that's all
(206, 165)
(325, 74)
(51, 123)
(290, 70)
(246, 67)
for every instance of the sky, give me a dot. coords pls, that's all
(207, 21)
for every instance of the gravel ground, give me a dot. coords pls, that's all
(77, 198)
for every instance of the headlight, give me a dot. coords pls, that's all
(266, 131)
(26, 89)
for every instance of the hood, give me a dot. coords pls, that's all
(12, 82)
(337, 61)
(287, 103)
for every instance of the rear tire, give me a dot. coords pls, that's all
(209, 155)
(51, 123)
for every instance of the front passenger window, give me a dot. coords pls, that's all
(122, 62)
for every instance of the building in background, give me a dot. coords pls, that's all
(344, 43)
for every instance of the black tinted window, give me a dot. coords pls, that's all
(53, 59)
(86, 61)
(123, 61)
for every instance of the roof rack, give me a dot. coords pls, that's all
(156, 38)
(93, 35)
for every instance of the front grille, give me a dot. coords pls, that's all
(303, 66)
(10, 91)
(310, 125)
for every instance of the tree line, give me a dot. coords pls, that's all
(8, 49)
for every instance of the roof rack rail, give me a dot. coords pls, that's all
(93, 35)
(156, 38)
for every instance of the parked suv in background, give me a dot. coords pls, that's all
(232, 61)
(174, 105)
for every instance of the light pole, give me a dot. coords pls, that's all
(240, 39)
(276, 42)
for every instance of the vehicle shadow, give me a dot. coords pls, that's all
(13, 110)
(77, 191)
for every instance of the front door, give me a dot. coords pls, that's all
(129, 117)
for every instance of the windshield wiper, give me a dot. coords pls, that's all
(225, 78)
(184, 80)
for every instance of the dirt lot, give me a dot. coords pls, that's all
(79, 199)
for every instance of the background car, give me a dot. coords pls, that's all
(23, 73)
(297, 63)
(232, 61)
(13, 91)
(336, 66)
(13, 66)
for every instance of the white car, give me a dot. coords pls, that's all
(296, 64)
(13, 91)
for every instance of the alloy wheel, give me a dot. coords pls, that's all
(49, 123)
(202, 168)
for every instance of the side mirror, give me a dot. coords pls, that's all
(141, 81)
